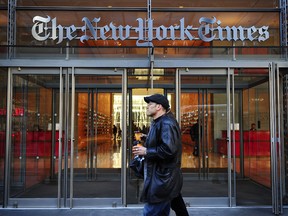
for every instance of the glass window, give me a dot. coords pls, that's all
(172, 33)
(158, 3)
(3, 27)
(216, 4)
(86, 3)
(3, 32)
(3, 2)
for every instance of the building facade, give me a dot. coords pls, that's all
(71, 70)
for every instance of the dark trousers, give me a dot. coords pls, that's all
(178, 205)
(157, 209)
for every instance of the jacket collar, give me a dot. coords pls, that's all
(158, 119)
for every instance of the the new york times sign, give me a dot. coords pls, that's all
(145, 32)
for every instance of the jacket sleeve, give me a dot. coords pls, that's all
(166, 138)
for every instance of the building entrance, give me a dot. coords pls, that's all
(64, 149)
(204, 102)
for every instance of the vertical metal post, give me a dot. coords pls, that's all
(67, 51)
(95, 132)
(275, 138)
(228, 93)
(150, 49)
(11, 28)
(92, 132)
(284, 122)
(149, 19)
(53, 156)
(275, 131)
(204, 138)
(273, 144)
(234, 52)
(279, 149)
(89, 133)
(272, 133)
(283, 27)
(123, 141)
(178, 94)
(201, 121)
(66, 139)
(233, 160)
(231, 96)
(72, 138)
(8, 138)
(151, 69)
(60, 137)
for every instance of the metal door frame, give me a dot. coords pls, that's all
(276, 138)
(230, 200)
(26, 202)
(108, 202)
(66, 200)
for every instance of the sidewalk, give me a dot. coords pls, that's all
(195, 211)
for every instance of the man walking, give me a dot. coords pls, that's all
(162, 151)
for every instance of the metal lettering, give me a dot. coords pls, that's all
(145, 31)
(162, 29)
(250, 32)
(70, 30)
(263, 33)
(39, 29)
(185, 31)
(121, 29)
(205, 29)
(54, 31)
(90, 27)
(172, 31)
(150, 30)
(140, 31)
(235, 33)
(222, 33)
(103, 30)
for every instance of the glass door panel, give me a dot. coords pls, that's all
(204, 121)
(252, 141)
(257, 137)
(200, 132)
(201, 156)
(33, 160)
(97, 147)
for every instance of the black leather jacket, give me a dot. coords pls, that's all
(162, 169)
